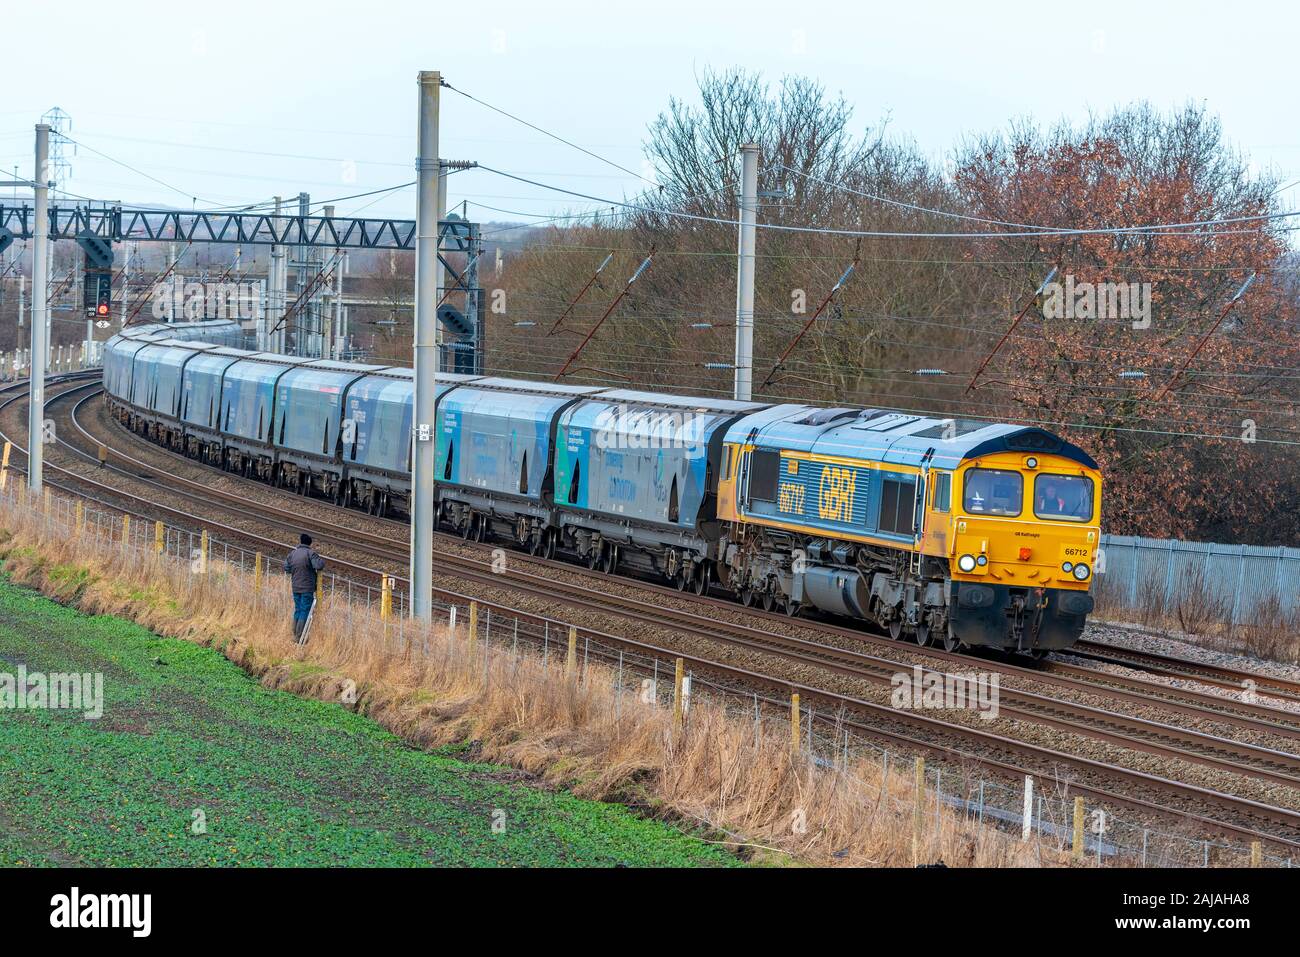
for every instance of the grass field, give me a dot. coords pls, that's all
(188, 739)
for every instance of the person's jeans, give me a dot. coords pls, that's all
(302, 605)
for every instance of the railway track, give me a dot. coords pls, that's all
(1275, 766)
(1237, 712)
(1232, 679)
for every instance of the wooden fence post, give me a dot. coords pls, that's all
(918, 810)
(677, 693)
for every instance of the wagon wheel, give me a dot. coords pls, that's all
(611, 558)
(896, 629)
(548, 548)
(593, 558)
(534, 543)
(747, 596)
(950, 640)
(681, 579)
(467, 529)
(702, 581)
(481, 529)
(792, 608)
(769, 599)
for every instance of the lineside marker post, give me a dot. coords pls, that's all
(794, 723)
(918, 810)
(157, 538)
(4, 466)
(571, 660)
(126, 531)
(203, 552)
(386, 598)
(81, 514)
(45, 504)
(1256, 854)
(257, 572)
(1076, 851)
(677, 693)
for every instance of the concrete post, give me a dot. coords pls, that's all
(427, 281)
(744, 362)
(40, 311)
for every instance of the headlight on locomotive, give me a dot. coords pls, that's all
(1081, 572)
(966, 563)
(1067, 567)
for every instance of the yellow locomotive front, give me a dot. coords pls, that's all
(1022, 542)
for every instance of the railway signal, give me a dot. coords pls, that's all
(97, 293)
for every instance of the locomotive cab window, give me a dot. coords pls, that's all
(942, 483)
(1063, 497)
(993, 492)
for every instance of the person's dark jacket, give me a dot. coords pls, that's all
(302, 565)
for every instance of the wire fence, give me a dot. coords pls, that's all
(1240, 583)
(1043, 808)
(67, 358)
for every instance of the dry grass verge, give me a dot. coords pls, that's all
(582, 731)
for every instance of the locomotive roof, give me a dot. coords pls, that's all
(896, 437)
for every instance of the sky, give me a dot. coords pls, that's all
(219, 105)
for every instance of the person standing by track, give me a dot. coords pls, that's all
(303, 565)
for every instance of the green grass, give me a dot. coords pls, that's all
(279, 780)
